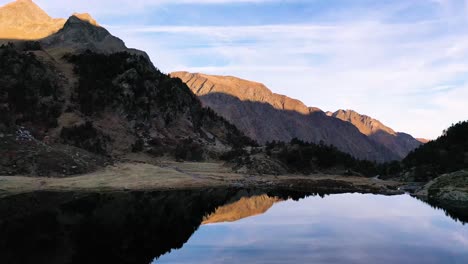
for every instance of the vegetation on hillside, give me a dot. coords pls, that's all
(28, 93)
(131, 86)
(299, 156)
(448, 153)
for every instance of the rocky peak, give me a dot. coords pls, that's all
(81, 33)
(86, 17)
(400, 143)
(25, 10)
(23, 19)
(366, 124)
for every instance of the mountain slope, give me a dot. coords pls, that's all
(24, 20)
(399, 143)
(265, 116)
(81, 87)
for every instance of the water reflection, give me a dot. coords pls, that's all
(344, 228)
(266, 227)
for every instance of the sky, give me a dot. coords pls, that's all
(404, 62)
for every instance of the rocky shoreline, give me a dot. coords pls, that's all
(447, 189)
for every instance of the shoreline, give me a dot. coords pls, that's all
(136, 176)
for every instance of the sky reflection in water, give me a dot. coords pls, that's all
(344, 228)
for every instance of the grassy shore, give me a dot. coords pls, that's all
(187, 175)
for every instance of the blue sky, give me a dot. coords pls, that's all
(404, 62)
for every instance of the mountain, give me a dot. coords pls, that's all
(81, 33)
(73, 100)
(423, 140)
(266, 116)
(24, 20)
(400, 143)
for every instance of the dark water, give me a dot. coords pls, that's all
(165, 227)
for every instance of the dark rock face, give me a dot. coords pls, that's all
(265, 116)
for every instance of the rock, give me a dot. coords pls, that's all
(258, 164)
(451, 187)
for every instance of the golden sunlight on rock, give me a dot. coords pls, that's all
(26, 21)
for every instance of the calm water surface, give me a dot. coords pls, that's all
(188, 226)
(341, 228)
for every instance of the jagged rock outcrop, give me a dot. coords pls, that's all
(81, 32)
(399, 143)
(265, 116)
(24, 20)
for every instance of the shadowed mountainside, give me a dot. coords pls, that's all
(399, 143)
(265, 116)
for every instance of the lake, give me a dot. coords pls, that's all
(228, 226)
(342, 228)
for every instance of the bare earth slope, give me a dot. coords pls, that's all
(266, 116)
(399, 143)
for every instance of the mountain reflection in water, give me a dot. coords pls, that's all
(140, 227)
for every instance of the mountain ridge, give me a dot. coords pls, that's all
(214, 91)
(266, 116)
(400, 143)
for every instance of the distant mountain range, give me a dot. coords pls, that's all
(266, 116)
